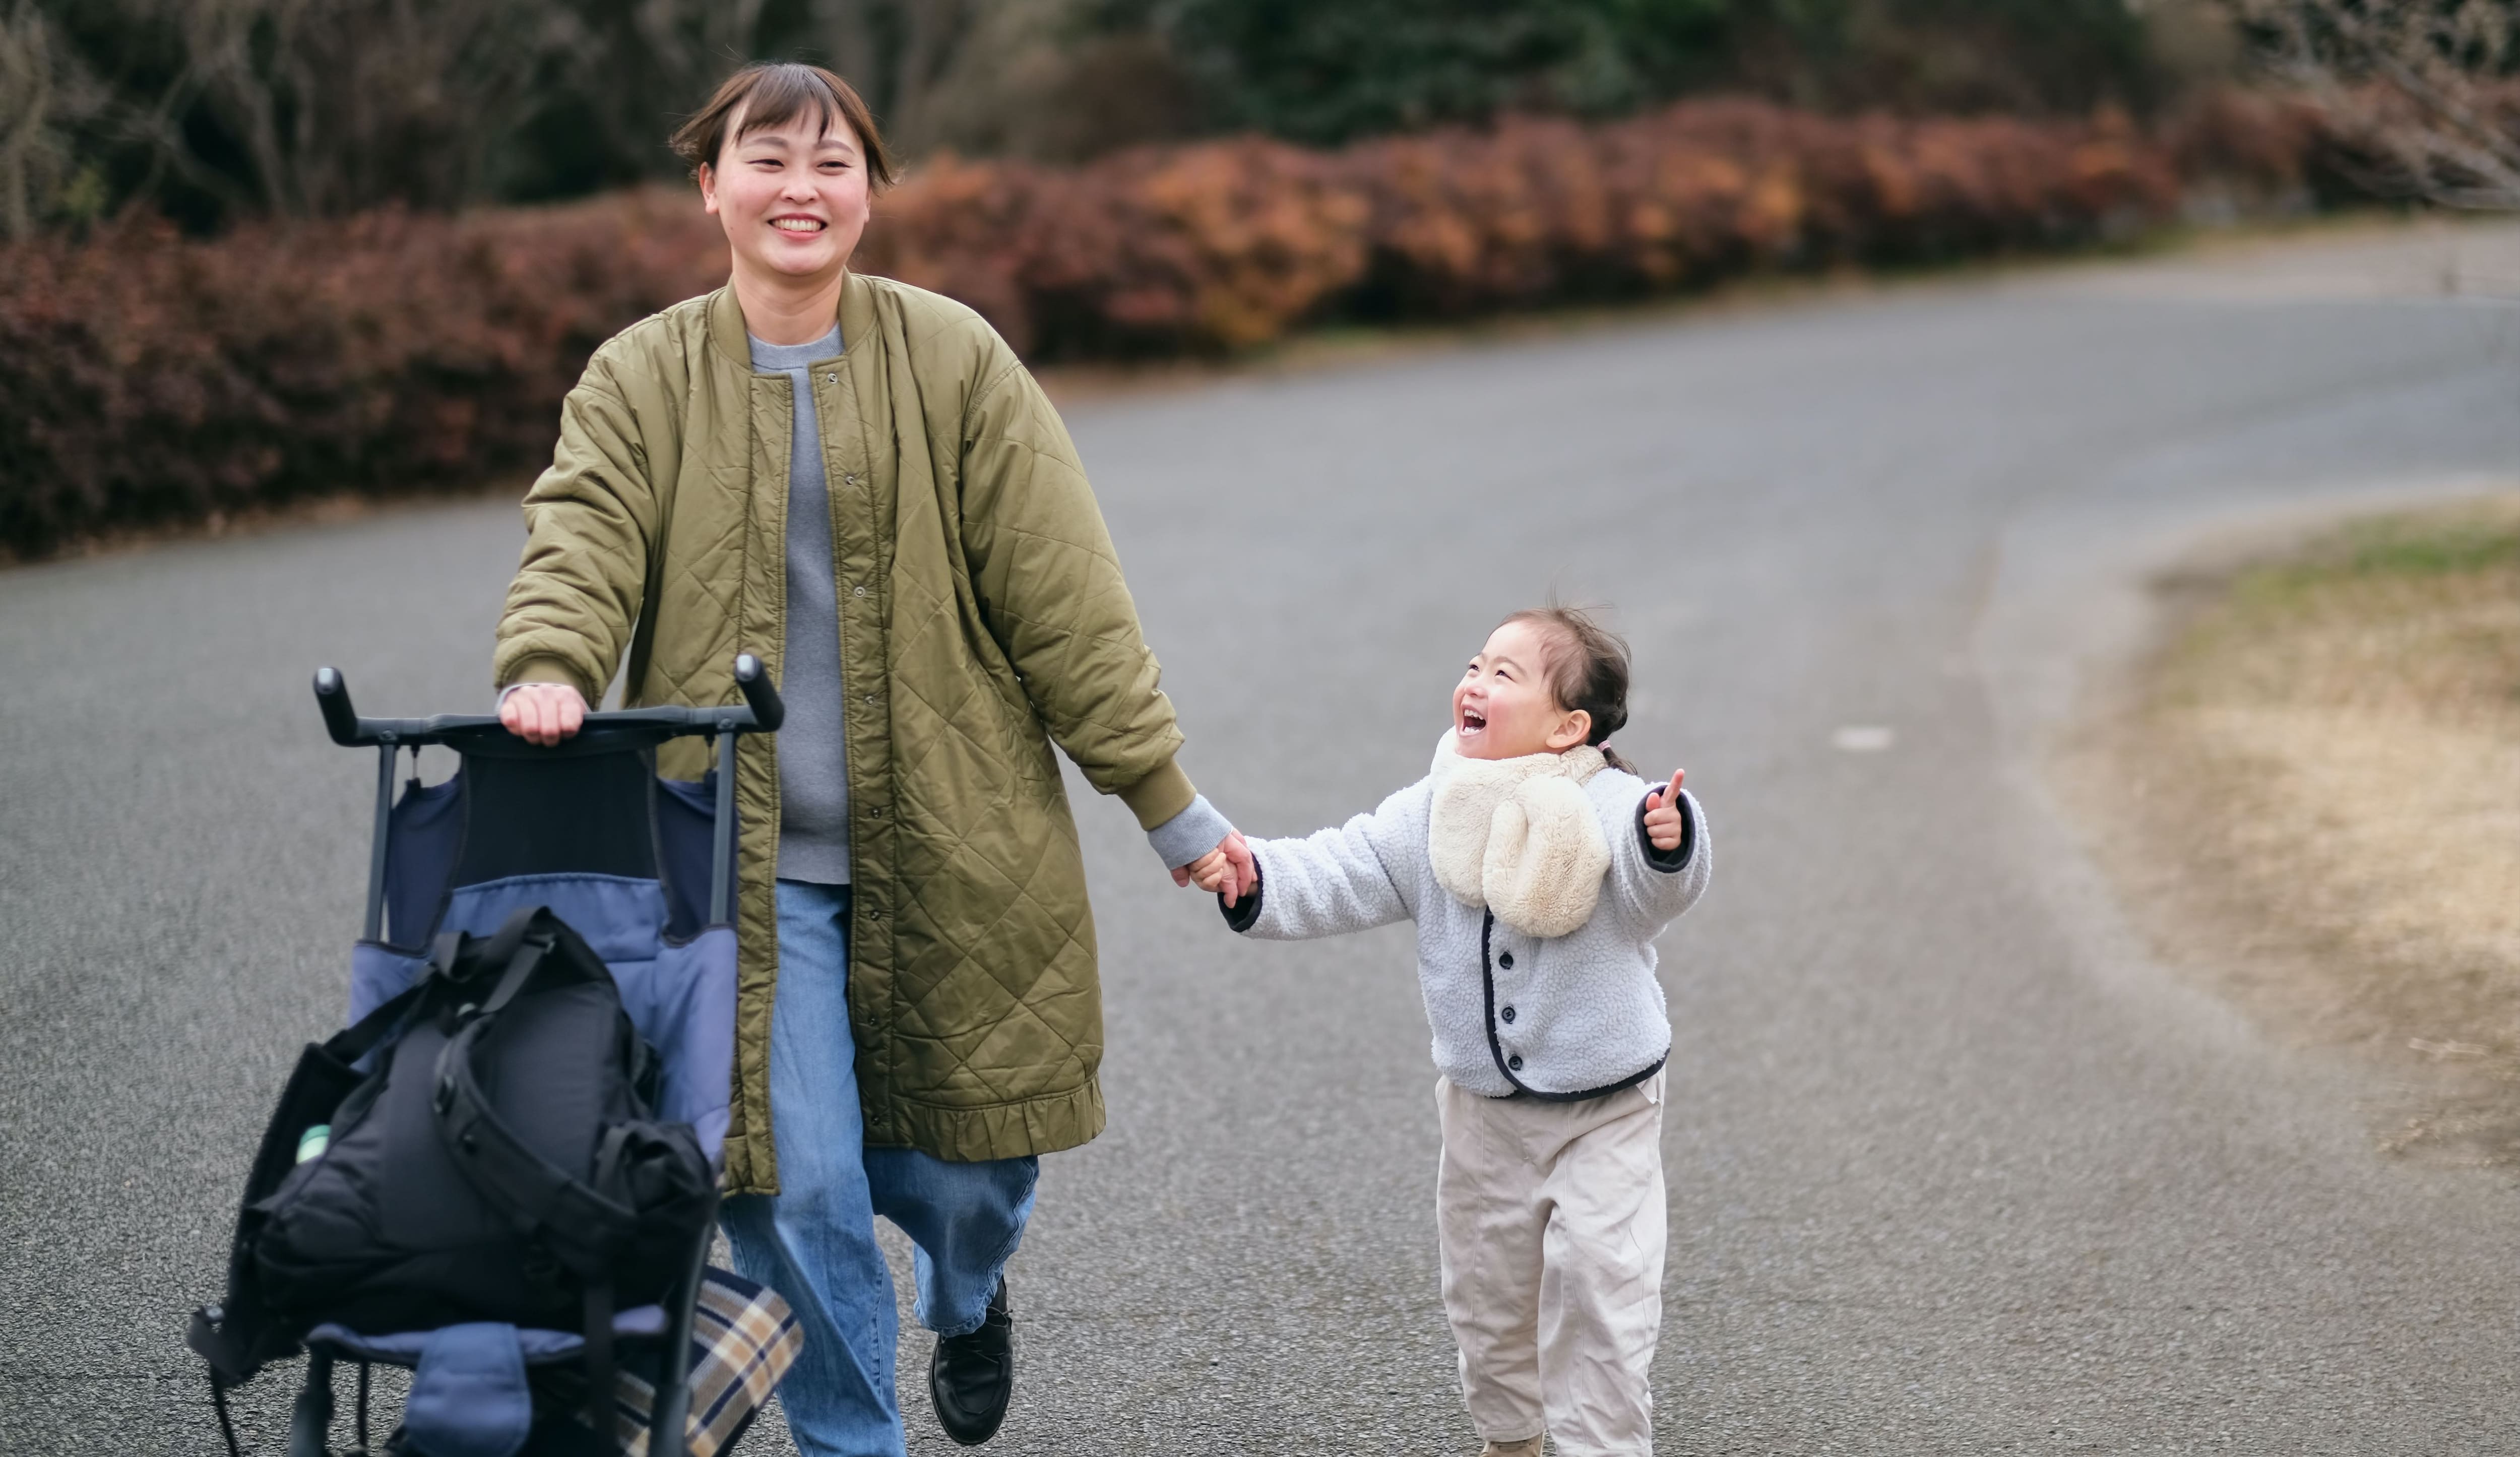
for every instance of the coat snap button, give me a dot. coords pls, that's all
(851, 478)
(1513, 1064)
(1505, 961)
(860, 591)
(1506, 1014)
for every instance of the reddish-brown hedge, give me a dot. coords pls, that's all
(145, 379)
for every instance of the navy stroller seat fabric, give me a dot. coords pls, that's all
(620, 855)
(641, 869)
(596, 837)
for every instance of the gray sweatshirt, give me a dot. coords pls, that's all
(813, 754)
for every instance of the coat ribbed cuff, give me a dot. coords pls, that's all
(1191, 833)
(544, 669)
(1161, 796)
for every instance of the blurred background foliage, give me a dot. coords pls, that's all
(1331, 70)
(254, 253)
(212, 111)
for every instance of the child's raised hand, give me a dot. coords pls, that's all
(1664, 822)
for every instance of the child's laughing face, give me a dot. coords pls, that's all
(1504, 708)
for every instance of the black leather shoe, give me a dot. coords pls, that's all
(971, 1378)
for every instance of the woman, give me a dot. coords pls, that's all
(858, 481)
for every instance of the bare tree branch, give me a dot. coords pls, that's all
(26, 107)
(2422, 89)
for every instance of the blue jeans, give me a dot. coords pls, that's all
(814, 1241)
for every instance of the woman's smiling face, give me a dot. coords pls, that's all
(792, 198)
(1504, 708)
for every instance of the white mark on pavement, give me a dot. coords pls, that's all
(1864, 737)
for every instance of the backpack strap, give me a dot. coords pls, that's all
(534, 924)
(582, 1226)
(444, 951)
(522, 961)
(373, 1031)
(597, 1330)
(442, 969)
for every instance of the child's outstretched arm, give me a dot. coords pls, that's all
(1660, 865)
(1333, 880)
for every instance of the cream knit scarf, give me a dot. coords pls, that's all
(1519, 835)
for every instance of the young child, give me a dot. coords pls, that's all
(1539, 868)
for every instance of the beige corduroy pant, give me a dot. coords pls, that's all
(1551, 1225)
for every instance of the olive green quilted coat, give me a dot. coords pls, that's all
(982, 618)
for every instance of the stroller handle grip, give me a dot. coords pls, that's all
(760, 693)
(762, 712)
(332, 695)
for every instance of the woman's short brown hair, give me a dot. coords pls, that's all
(774, 93)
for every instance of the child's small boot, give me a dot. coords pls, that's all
(1529, 1447)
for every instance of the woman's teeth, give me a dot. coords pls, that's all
(797, 225)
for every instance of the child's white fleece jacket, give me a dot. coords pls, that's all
(1567, 1017)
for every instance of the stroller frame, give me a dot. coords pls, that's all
(761, 711)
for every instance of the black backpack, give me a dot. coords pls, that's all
(498, 1162)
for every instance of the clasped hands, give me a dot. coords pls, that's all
(1227, 870)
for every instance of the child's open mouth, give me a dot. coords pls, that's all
(1472, 720)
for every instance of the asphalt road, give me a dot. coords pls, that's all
(1953, 1165)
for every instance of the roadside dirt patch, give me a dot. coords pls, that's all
(2309, 795)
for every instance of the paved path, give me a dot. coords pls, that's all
(1953, 1168)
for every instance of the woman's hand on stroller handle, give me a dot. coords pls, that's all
(542, 714)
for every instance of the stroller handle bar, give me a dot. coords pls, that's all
(761, 711)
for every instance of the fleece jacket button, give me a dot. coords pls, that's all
(1513, 1064)
(1505, 961)
(1506, 1014)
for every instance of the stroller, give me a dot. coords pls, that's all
(641, 868)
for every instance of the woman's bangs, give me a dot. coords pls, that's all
(786, 93)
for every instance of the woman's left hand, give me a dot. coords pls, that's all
(1664, 822)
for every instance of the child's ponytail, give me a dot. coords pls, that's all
(1587, 669)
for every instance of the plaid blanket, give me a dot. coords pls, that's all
(744, 1340)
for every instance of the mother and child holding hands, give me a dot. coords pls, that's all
(859, 481)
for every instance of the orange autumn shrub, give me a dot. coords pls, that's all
(1223, 245)
(146, 379)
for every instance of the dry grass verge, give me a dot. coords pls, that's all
(2311, 795)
